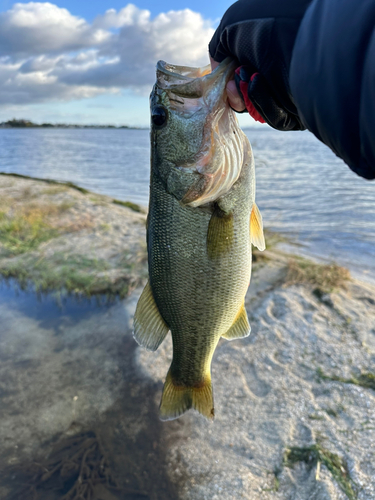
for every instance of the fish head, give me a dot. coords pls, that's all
(196, 142)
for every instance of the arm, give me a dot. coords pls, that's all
(332, 79)
(308, 64)
(260, 35)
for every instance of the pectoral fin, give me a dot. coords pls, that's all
(220, 233)
(240, 328)
(256, 229)
(149, 327)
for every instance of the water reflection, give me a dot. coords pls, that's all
(61, 395)
(51, 311)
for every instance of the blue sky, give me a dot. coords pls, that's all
(89, 9)
(94, 62)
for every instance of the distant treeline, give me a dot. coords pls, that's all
(29, 124)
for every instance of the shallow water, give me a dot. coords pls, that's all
(48, 310)
(67, 372)
(303, 189)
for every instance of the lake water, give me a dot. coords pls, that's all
(303, 190)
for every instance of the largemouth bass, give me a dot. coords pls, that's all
(201, 223)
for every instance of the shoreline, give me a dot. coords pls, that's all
(54, 213)
(294, 401)
(62, 238)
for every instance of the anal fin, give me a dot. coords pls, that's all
(256, 229)
(149, 327)
(240, 328)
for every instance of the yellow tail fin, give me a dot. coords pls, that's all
(176, 400)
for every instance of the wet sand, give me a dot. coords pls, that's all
(71, 370)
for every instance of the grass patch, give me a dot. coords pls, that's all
(312, 455)
(49, 181)
(55, 190)
(27, 228)
(98, 200)
(366, 379)
(65, 205)
(276, 481)
(324, 277)
(128, 204)
(73, 275)
(331, 412)
(25, 231)
(105, 227)
(314, 416)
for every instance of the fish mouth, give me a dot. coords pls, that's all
(193, 82)
(218, 162)
(168, 75)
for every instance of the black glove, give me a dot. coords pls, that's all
(260, 35)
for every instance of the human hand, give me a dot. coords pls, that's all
(260, 35)
(236, 102)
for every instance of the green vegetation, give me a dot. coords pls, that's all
(70, 274)
(314, 416)
(324, 277)
(314, 454)
(276, 481)
(65, 185)
(331, 412)
(21, 123)
(18, 124)
(128, 204)
(49, 181)
(27, 221)
(56, 189)
(26, 230)
(366, 379)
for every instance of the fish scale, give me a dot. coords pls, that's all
(199, 246)
(190, 292)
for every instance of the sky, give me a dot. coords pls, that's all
(93, 62)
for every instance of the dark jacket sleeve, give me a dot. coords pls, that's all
(332, 78)
(260, 35)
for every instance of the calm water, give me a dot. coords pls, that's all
(302, 188)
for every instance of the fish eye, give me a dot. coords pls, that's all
(159, 116)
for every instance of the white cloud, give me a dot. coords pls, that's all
(128, 16)
(46, 53)
(38, 28)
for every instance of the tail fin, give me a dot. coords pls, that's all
(176, 400)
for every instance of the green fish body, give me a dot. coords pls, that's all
(201, 223)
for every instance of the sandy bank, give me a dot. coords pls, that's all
(291, 392)
(295, 402)
(59, 237)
